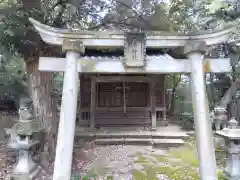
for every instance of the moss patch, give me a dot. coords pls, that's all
(178, 164)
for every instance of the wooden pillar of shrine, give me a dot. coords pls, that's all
(93, 102)
(164, 102)
(153, 104)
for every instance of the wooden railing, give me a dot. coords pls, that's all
(84, 117)
(84, 114)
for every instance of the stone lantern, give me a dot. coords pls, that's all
(220, 117)
(22, 139)
(232, 140)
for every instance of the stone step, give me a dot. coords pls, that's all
(137, 141)
(116, 141)
(169, 135)
(135, 135)
(148, 142)
(163, 143)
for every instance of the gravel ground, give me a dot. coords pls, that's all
(6, 165)
(116, 161)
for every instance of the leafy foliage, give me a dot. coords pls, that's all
(13, 78)
(18, 37)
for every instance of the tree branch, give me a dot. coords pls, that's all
(178, 81)
(57, 20)
(117, 23)
(59, 2)
(135, 12)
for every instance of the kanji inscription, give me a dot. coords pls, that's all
(134, 49)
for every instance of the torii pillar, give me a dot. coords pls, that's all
(204, 137)
(66, 128)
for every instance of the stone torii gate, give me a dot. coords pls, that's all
(74, 42)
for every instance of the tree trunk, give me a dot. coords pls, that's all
(212, 99)
(176, 82)
(234, 74)
(40, 82)
(227, 98)
(44, 106)
(226, 101)
(172, 105)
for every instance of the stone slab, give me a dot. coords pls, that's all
(131, 136)
(143, 134)
(146, 134)
(109, 135)
(169, 135)
(159, 143)
(118, 141)
(136, 141)
(86, 136)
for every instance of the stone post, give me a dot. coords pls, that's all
(232, 140)
(205, 148)
(66, 128)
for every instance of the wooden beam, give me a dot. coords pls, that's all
(155, 64)
(123, 78)
(93, 101)
(114, 109)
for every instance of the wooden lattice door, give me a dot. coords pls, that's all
(136, 94)
(123, 94)
(110, 95)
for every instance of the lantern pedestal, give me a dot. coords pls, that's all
(21, 139)
(232, 140)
